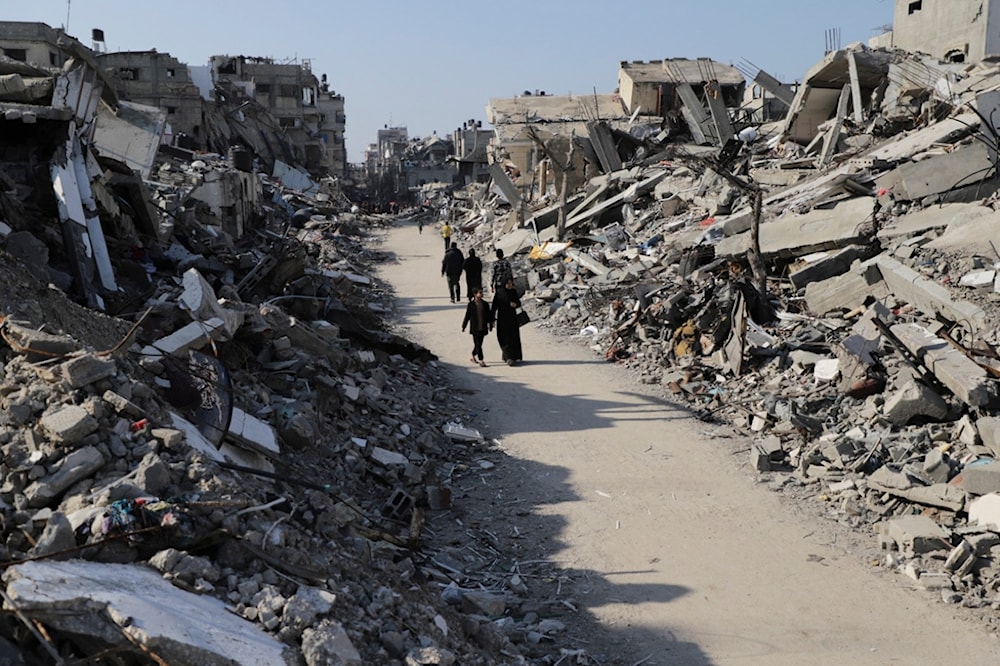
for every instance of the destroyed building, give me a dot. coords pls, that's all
(955, 31)
(160, 80)
(471, 143)
(32, 43)
(249, 445)
(309, 115)
(702, 90)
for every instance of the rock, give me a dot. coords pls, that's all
(328, 645)
(69, 424)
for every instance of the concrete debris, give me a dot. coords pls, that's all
(231, 409)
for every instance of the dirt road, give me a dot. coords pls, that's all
(674, 551)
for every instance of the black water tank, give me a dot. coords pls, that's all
(240, 158)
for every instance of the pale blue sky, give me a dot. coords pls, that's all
(430, 66)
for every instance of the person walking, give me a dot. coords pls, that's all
(501, 271)
(506, 301)
(473, 268)
(479, 319)
(451, 267)
(420, 226)
(446, 232)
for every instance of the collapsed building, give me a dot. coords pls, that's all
(238, 465)
(825, 283)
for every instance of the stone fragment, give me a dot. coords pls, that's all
(985, 511)
(981, 478)
(916, 535)
(77, 465)
(57, 539)
(912, 400)
(69, 424)
(87, 369)
(328, 644)
(429, 656)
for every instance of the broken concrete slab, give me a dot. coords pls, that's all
(825, 265)
(69, 424)
(985, 511)
(847, 291)
(940, 173)
(981, 477)
(793, 235)
(916, 535)
(195, 335)
(914, 399)
(139, 609)
(77, 465)
(964, 377)
(962, 215)
(86, 369)
(930, 297)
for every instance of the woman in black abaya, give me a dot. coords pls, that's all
(506, 301)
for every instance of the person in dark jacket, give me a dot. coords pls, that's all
(479, 319)
(473, 268)
(501, 271)
(506, 301)
(451, 267)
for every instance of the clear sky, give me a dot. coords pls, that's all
(429, 65)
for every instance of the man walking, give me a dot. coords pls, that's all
(451, 267)
(446, 232)
(501, 272)
(473, 268)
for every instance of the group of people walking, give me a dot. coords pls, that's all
(481, 316)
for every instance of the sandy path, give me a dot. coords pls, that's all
(685, 557)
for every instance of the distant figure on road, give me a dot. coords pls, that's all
(473, 268)
(420, 225)
(446, 232)
(451, 267)
(506, 301)
(479, 319)
(501, 271)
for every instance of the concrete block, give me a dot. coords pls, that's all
(69, 424)
(387, 457)
(76, 466)
(250, 430)
(912, 400)
(985, 511)
(930, 297)
(978, 279)
(847, 291)
(826, 370)
(916, 535)
(981, 478)
(989, 433)
(121, 405)
(823, 266)
(794, 235)
(963, 376)
(87, 369)
(193, 336)
(759, 459)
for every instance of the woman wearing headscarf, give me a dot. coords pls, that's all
(506, 301)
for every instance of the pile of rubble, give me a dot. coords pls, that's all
(228, 457)
(829, 287)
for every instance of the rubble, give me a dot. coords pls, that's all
(232, 426)
(842, 318)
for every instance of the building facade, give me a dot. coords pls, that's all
(952, 30)
(34, 43)
(311, 117)
(159, 79)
